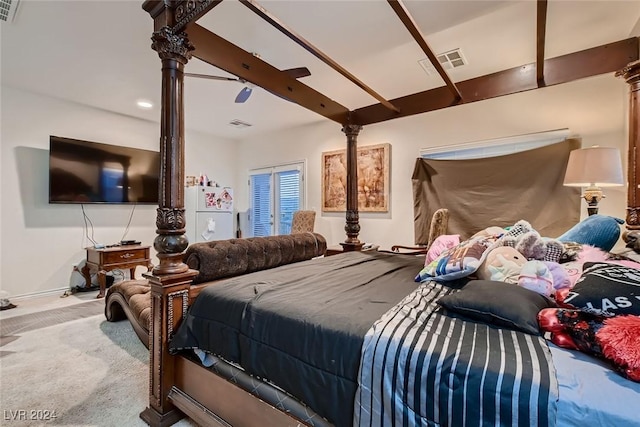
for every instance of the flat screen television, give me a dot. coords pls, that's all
(91, 172)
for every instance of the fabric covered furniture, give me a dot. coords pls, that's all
(437, 227)
(303, 222)
(215, 260)
(131, 299)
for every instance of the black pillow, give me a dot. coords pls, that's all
(498, 303)
(606, 288)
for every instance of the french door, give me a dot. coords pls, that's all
(275, 193)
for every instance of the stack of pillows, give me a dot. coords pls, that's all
(571, 288)
(518, 255)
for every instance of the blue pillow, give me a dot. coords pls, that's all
(601, 231)
(459, 261)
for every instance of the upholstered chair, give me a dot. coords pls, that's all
(303, 221)
(437, 227)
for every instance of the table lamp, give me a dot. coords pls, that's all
(593, 168)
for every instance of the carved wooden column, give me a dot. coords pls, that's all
(631, 73)
(170, 243)
(352, 226)
(171, 279)
(169, 301)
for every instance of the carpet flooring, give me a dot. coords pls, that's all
(73, 368)
(41, 319)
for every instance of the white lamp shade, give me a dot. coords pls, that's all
(594, 166)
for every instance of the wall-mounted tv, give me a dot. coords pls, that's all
(91, 172)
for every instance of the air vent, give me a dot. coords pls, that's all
(448, 60)
(8, 10)
(239, 124)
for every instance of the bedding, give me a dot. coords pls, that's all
(605, 288)
(301, 326)
(498, 303)
(421, 366)
(294, 327)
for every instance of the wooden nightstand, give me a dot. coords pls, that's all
(118, 257)
(338, 249)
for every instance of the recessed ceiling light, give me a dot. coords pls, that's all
(144, 104)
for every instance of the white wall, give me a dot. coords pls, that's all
(594, 108)
(40, 242)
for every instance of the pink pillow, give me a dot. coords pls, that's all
(442, 243)
(591, 254)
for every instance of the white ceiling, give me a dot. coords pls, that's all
(98, 52)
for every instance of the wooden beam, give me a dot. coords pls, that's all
(402, 12)
(275, 22)
(541, 24)
(603, 59)
(215, 50)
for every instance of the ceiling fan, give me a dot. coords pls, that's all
(245, 92)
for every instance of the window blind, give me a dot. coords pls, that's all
(495, 147)
(276, 193)
(288, 198)
(261, 204)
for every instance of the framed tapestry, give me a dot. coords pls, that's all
(373, 179)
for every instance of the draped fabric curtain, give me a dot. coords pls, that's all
(497, 191)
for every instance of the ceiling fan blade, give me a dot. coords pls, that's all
(243, 95)
(297, 73)
(208, 76)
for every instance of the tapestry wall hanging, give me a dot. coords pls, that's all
(373, 179)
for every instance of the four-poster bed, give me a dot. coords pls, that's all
(181, 386)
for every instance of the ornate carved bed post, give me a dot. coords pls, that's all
(631, 73)
(175, 51)
(352, 226)
(171, 278)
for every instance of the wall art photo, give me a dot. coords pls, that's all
(373, 179)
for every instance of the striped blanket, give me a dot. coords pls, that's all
(423, 367)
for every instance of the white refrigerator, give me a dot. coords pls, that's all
(208, 213)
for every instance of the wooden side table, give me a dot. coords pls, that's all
(338, 249)
(118, 257)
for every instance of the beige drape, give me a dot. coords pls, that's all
(497, 191)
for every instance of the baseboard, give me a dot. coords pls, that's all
(39, 294)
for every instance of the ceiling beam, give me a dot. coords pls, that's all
(402, 12)
(541, 30)
(276, 23)
(603, 59)
(215, 50)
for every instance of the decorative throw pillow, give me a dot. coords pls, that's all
(503, 264)
(616, 339)
(584, 254)
(620, 342)
(536, 276)
(588, 253)
(441, 244)
(605, 288)
(498, 303)
(459, 261)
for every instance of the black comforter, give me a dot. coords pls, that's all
(301, 326)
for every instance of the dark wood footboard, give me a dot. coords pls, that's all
(169, 303)
(209, 399)
(179, 386)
